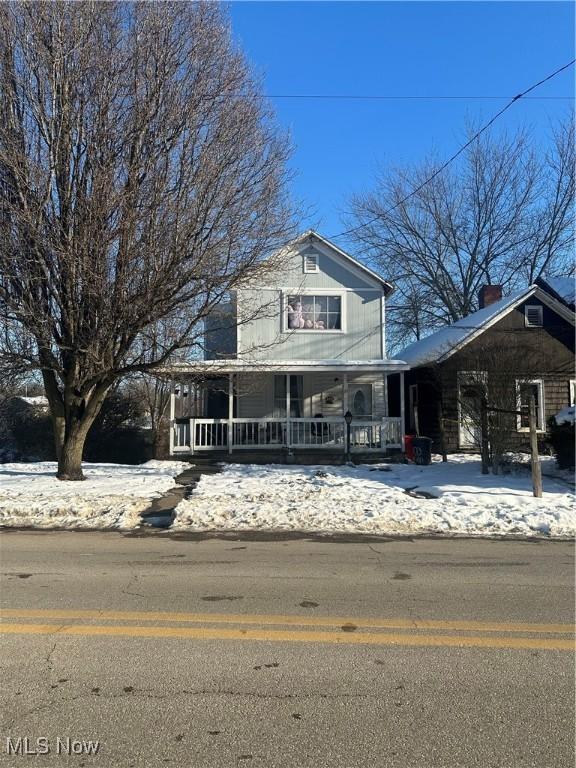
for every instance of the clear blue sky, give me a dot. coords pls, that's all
(398, 49)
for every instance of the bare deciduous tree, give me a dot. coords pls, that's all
(142, 180)
(504, 214)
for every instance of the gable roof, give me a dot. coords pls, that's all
(561, 288)
(439, 346)
(313, 235)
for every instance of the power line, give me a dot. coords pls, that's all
(485, 127)
(381, 97)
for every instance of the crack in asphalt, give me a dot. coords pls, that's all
(142, 693)
(132, 580)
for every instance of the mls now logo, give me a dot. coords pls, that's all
(23, 746)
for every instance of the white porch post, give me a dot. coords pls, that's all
(344, 393)
(172, 414)
(230, 410)
(402, 417)
(288, 440)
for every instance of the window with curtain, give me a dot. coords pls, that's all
(311, 312)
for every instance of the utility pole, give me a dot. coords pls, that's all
(535, 462)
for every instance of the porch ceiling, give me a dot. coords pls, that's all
(288, 366)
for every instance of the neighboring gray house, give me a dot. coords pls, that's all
(513, 348)
(281, 381)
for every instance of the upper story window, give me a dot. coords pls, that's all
(310, 261)
(533, 316)
(312, 312)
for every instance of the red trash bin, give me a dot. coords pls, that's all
(409, 447)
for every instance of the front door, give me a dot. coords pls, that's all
(470, 392)
(361, 401)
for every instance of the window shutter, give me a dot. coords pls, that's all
(533, 316)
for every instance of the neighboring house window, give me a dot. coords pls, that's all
(311, 263)
(310, 312)
(296, 397)
(533, 316)
(525, 390)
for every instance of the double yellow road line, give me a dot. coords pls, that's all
(289, 628)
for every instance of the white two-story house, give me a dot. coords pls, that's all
(285, 362)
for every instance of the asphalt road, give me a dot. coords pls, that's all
(286, 652)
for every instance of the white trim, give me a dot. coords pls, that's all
(339, 289)
(572, 384)
(172, 414)
(383, 325)
(540, 312)
(285, 292)
(220, 367)
(238, 336)
(541, 426)
(230, 409)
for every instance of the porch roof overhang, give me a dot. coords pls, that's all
(234, 365)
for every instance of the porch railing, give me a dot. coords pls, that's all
(193, 435)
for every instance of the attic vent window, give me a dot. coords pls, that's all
(533, 316)
(310, 263)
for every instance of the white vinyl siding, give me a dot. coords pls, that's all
(360, 338)
(267, 337)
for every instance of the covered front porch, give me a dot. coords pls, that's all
(287, 407)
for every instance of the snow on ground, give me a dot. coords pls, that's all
(112, 496)
(373, 499)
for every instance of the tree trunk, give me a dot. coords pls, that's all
(56, 410)
(77, 428)
(59, 429)
(70, 459)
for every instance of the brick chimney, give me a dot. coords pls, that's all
(489, 294)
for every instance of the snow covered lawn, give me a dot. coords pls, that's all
(373, 499)
(112, 496)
